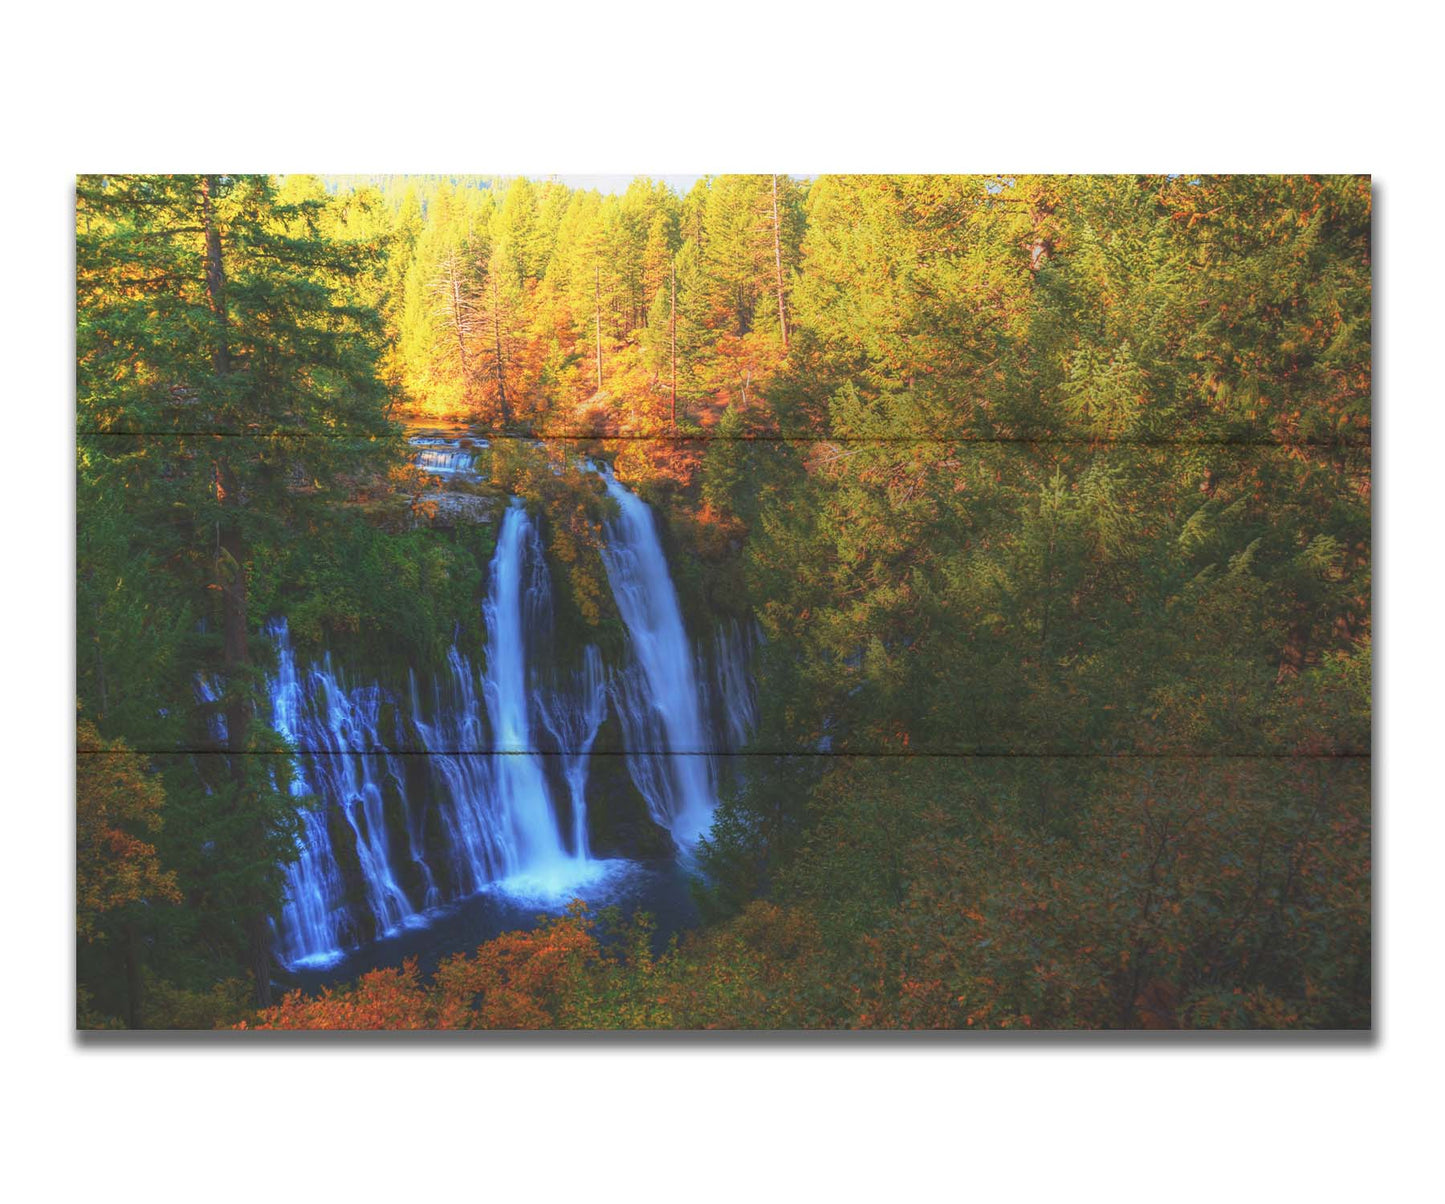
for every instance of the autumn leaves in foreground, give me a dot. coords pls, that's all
(1203, 913)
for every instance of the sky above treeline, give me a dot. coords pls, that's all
(607, 184)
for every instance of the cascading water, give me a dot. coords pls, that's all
(669, 751)
(737, 692)
(519, 581)
(446, 457)
(482, 771)
(391, 836)
(336, 727)
(450, 728)
(573, 714)
(210, 699)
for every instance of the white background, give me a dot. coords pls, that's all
(724, 87)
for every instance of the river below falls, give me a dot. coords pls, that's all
(660, 888)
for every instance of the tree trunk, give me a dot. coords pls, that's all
(1042, 245)
(598, 296)
(231, 577)
(497, 347)
(99, 660)
(215, 281)
(673, 323)
(459, 325)
(258, 933)
(778, 262)
(132, 976)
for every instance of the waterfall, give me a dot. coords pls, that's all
(491, 797)
(450, 728)
(439, 790)
(210, 698)
(336, 729)
(519, 586)
(733, 648)
(669, 751)
(446, 457)
(573, 714)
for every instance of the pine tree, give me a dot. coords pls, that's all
(215, 341)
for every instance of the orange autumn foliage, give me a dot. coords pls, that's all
(517, 981)
(117, 806)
